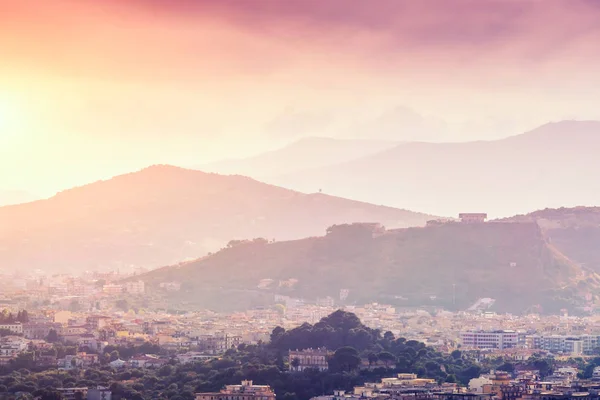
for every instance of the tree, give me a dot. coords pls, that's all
(52, 336)
(295, 363)
(456, 354)
(508, 367)
(74, 306)
(277, 334)
(345, 359)
(122, 304)
(372, 357)
(165, 370)
(387, 357)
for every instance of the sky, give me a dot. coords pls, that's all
(90, 89)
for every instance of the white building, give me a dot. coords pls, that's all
(476, 384)
(16, 327)
(501, 339)
(574, 345)
(10, 346)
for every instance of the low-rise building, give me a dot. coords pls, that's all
(137, 287)
(73, 393)
(15, 327)
(100, 393)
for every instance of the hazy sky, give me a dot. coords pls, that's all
(91, 88)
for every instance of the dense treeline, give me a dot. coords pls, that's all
(7, 317)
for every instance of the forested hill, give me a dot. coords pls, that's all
(451, 265)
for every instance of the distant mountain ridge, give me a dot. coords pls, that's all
(309, 152)
(451, 265)
(163, 215)
(552, 166)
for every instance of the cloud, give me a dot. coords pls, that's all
(195, 39)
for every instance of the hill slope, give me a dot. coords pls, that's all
(573, 231)
(162, 215)
(305, 153)
(555, 165)
(509, 262)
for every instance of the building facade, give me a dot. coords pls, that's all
(574, 345)
(299, 360)
(472, 218)
(501, 339)
(16, 328)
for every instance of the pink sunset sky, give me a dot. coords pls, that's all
(91, 88)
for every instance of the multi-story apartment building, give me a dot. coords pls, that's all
(299, 360)
(246, 391)
(500, 339)
(560, 343)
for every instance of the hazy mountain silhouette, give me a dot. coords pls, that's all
(554, 165)
(305, 153)
(10, 197)
(410, 267)
(164, 214)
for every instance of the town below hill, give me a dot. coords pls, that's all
(336, 355)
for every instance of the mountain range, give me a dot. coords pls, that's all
(554, 165)
(163, 215)
(451, 265)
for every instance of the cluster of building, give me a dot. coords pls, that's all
(405, 387)
(501, 340)
(498, 385)
(247, 390)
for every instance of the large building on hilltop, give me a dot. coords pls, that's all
(299, 360)
(472, 218)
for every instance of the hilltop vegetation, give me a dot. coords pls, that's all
(451, 265)
(163, 215)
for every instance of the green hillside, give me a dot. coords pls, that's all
(451, 265)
